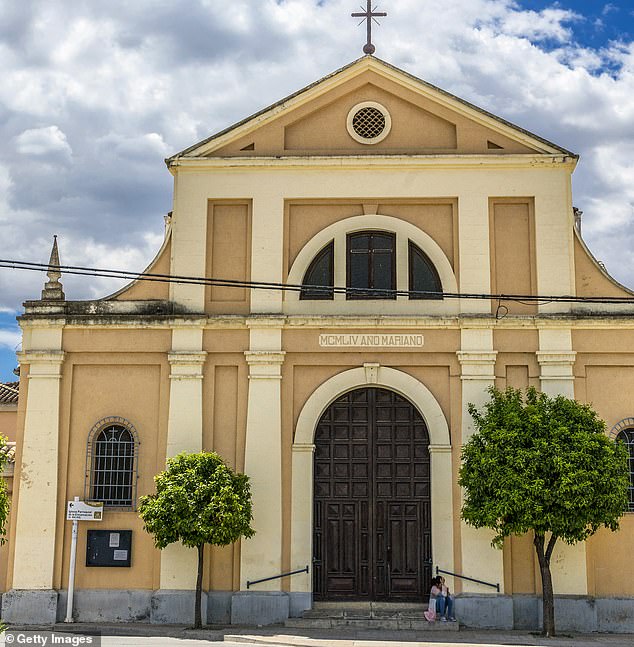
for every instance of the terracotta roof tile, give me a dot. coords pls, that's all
(9, 392)
(9, 451)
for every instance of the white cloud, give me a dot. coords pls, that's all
(540, 25)
(128, 83)
(43, 141)
(10, 339)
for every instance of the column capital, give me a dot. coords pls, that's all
(42, 363)
(556, 357)
(440, 449)
(477, 364)
(187, 365)
(303, 447)
(187, 357)
(264, 357)
(476, 357)
(265, 364)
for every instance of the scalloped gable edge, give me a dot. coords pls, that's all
(604, 272)
(317, 88)
(148, 270)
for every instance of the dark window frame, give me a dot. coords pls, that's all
(357, 293)
(414, 249)
(315, 292)
(112, 464)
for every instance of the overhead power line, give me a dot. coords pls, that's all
(313, 289)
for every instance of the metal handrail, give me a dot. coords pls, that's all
(471, 579)
(276, 577)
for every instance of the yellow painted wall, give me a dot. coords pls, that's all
(513, 268)
(228, 255)
(134, 387)
(420, 125)
(8, 421)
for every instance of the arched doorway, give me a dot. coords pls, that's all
(372, 499)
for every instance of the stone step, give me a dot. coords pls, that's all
(362, 613)
(392, 616)
(390, 624)
(370, 605)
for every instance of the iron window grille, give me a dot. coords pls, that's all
(369, 123)
(112, 463)
(627, 436)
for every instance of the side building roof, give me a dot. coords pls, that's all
(9, 392)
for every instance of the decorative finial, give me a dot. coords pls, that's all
(369, 15)
(53, 290)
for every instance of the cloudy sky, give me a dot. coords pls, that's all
(94, 95)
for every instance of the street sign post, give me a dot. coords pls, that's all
(84, 511)
(77, 511)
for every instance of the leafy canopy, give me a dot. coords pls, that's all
(199, 500)
(5, 499)
(543, 464)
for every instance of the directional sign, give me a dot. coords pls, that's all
(84, 511)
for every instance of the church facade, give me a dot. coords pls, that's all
(377, 215)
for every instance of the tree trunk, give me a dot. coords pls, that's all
(548, 598)
(198, 623)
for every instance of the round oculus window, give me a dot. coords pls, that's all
(369, 122)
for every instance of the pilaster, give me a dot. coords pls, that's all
(441, 507)
(477, 362)
(556, 364)
(475, 250)
(556, 361)
(37, 511)
(302, 511)
(267, 239)
(261, 556)
(184, 434)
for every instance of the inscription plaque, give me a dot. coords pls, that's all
(371, 340)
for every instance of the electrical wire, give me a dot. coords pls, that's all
(290, 287)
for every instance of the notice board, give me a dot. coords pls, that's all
(109, 548)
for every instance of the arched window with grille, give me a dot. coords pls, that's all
(627, 436)
(112, 463)
(319, 277)
(424, 282)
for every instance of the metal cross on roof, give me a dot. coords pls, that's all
(369, 15)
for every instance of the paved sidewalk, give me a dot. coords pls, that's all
(145, 635)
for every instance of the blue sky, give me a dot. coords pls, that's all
(94, 96)
(599, 21)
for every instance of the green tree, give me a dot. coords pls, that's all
(5, 500)
(199, 500)
(542, 465)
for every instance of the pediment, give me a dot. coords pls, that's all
(417, 119)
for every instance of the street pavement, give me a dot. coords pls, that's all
(161, 636)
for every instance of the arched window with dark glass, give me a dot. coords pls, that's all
(319, 277)
(424, 282)
(371, 266)
(111, 463)
(627, 436)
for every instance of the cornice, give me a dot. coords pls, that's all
(567, 321)
(377, 162)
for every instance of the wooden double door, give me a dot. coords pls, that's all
(372, 503)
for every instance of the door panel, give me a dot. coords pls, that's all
(372, 521)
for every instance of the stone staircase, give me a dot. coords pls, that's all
(391, 616)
